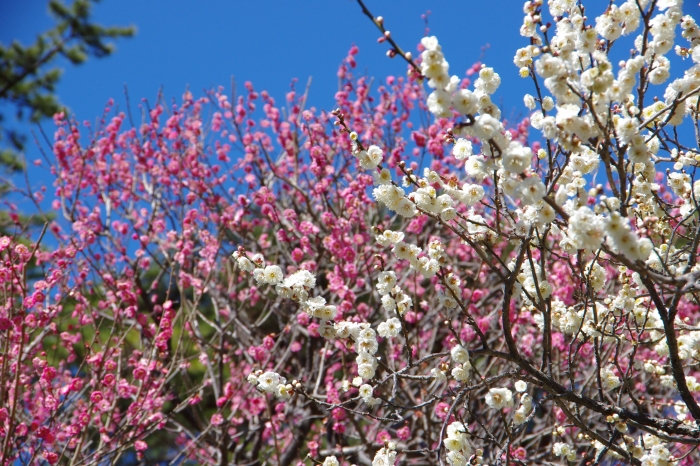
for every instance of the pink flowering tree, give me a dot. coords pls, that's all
(405, 279)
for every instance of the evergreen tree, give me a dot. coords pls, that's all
(29, 76)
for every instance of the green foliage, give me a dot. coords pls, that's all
(26, 78)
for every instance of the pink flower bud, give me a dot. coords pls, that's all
(140, 445)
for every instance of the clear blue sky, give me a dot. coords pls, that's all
(202, 43)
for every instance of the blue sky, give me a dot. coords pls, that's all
(202, 44)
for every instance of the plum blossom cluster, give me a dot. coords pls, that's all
(460, 357)
(296, 286)
(564, 450)
(386, 456)
(648, 449)
(524, 410)
(271, 382)
(458, 446)
(441, 285)
(366, 391)
(392, 298)
(366, 347)
(595, 125)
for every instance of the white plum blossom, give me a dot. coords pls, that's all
(564, 450)
(390, 328)
(472, 194)
(268, 381)
(272, 383)
(586, 229)
(461, 372)
(459, 354)
(465, 102)
(385, 456)
(499, 398)
(243, 262)
(609, 380)
(517, 158)
(457, 444)
(272, 274)
(462, 149)
(598, 208)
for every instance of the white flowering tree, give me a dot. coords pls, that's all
(585, 245)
